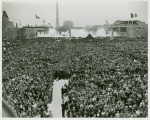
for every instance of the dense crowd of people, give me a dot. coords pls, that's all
(118, 88)
(108, 78)
(27, 96)
(119, 92)
(27, 86)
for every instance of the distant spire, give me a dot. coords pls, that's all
(57, 15)
(5, 14)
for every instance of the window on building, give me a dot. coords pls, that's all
(116, 29)
(135, 23)
(124, 22)
(130, 22)
(123, 29)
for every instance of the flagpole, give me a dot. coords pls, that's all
(35, 27)
(131, 23)
(35, 19)
(132, 26)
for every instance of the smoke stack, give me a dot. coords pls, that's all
(16, 25)
(57, 15)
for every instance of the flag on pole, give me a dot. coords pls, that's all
(131, 15)
(106, 21)
(43, 21)
(37, 17)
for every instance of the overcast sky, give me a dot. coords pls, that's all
(81, 12)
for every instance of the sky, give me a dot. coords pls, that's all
(81, 12)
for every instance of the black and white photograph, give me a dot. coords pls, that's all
(74, 58)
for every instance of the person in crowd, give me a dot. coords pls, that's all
(50, 114)
(63, 109)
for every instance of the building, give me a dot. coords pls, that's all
(131, 29)
(9, 31)
(32, 32)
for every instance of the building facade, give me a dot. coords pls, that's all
(130, 29)
(9, 31)
(33, 32)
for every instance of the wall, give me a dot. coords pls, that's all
(12, 34)
(9, 31)
(30, 33)
(137, 32)
(4, 27)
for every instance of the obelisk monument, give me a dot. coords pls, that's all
(57, 16)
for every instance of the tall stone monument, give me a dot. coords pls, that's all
(57, 16)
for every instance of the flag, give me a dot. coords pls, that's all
(37, 17)
(135, 15)
(106, 21)
(49, 23)
(43, 21)
(131, 15)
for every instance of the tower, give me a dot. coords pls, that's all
(57, 15)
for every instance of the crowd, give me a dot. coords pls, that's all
(108, 79)
(27, 80)
(114, 93)
(119, 89)
(27, 96)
